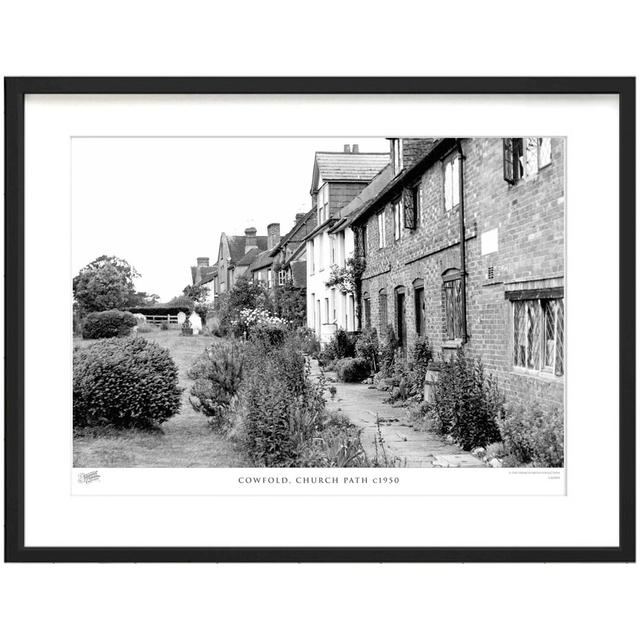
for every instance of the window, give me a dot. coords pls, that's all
(419, 306)
(363, 241)
(538, 335)
(524, 157)
(323, 203)
(333, 304)
(326, 310)
(367, 311)
(332, 249)
(382, 309)
(282, 277)
(396, 152)
(341, 249)
(397, 219)
(411, 197)
(312, 256)
(320, 247)
(269, 278)
(382, 230)
(453, 308)
(344, 309)
(451, 183)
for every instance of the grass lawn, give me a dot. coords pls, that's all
(186, 439)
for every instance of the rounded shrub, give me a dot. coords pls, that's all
(108, 324)
(124, 383)
(353, 369)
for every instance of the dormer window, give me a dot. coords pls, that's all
(323, 203)
(396, 155)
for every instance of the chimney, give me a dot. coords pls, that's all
(299, 217)
(250, 239)
(203, 262)
(355, 148)
(273, 235)
(347, 148)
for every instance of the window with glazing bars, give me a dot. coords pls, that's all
(524, 157)
(538, 335)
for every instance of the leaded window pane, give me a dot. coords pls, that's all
(519, 337)
(559, 369)
(538, 335)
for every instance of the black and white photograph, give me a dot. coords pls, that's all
(318, 302)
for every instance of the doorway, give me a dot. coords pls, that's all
(401, 318)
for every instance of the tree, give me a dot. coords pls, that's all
(196, 292)
(181, 301)
(106, 283)
(291, 303)
(245, 294)
(143, 299)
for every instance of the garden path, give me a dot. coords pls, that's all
(363, 404)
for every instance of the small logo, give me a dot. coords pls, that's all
(86, 478)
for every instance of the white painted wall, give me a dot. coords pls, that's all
(318, 272)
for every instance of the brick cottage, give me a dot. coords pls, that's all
(500, 293)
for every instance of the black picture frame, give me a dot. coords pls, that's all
(15, 91)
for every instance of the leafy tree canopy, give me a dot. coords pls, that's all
(106, 283)
(196, 292)
(143, 299)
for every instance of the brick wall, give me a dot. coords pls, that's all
(527, 217)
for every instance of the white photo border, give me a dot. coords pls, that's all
(54, 518)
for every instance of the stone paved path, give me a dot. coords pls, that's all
(361, 403)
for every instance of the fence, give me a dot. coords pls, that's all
(170, 319)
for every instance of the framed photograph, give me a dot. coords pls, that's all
(320, 319)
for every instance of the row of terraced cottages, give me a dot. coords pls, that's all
(461, 240)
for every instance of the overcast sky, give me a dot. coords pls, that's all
(159, 203)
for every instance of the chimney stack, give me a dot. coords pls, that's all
(250, 239)
(273, 235)
(347, 148)
(299, 217)
(203, 262)
(355, 148)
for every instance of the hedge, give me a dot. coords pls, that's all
(108, 324)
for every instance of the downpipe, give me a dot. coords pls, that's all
(463, 252)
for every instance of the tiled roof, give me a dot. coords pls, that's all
(209, 276)
(204, 272)
(262, 260)
(349, 167)
(237, 246)
(394, 187)
(248, 257)
(298, 229)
